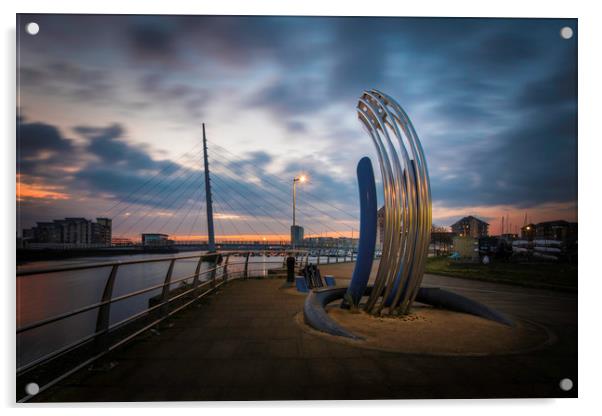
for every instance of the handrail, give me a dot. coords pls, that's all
(136, 261)
(104, 337)
(87, 308)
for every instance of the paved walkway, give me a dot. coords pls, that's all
(243, 343)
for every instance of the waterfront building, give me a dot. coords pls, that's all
(509, 237)
(527, 232)
(77, 231)
(70, 231)
(46, 232)
(559, 230)
(296, 235)
(330, 242)
(312, 242)
(121, 242)
(156, 239)
(470, 227)
(102, 231)
(441, 240)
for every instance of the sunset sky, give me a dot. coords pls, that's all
(110, 111)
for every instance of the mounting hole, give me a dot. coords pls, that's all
(566, 32)
(32, 389)
(32, 28)
(566, 384)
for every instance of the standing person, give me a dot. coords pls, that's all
(290, 269)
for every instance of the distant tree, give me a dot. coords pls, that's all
(439, 229)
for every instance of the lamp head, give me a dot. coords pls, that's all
(301, 178)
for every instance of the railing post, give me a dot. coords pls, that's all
(328, 257)
(214, 271)
(307, 258)
(247, 265)
(103, 319)
(165, 292)
(197, 272)
(225, 269)
(319, 252)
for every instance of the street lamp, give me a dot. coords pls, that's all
(296, 179)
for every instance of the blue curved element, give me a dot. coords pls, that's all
(451, 301)
(315, 315)
(367, 243)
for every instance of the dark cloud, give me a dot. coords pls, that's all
(462, 111)
(296, 126)
(495, 98)
(556, 89)
(41, 149)
(68, 79)
(108, 145)
(121, 168)
(235, 41)
(105, 164)
(175, 96)
(528, 164)
(35, 139)
(288, 99)
(152, 40)
(505, 49)
(360, 57)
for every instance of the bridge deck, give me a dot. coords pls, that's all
(243, 343)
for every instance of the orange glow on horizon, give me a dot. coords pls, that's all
(36, 191)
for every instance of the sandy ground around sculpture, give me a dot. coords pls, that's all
(428, 330)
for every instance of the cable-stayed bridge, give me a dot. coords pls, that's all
(213, 197)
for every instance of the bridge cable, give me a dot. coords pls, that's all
(140, 200)
(259, 198)
(286, 203)
(281, 181)
(243, 206)
(158, 197)
(163, 170)
(168, 197)
(196, 190)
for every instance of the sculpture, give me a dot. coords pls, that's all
(408, 216)
(407, 197)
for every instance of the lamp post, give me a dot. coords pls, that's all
(300, 179)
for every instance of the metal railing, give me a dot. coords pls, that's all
(106, 336)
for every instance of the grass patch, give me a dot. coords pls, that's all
(549, 275)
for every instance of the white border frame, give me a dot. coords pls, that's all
(590, 34)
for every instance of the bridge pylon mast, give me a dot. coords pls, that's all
(208, 199)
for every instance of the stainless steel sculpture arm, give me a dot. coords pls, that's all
(408, 208)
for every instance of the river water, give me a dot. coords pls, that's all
(44, 295)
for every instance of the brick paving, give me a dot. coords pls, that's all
(243, 343)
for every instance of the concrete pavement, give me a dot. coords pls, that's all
(243, 343)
